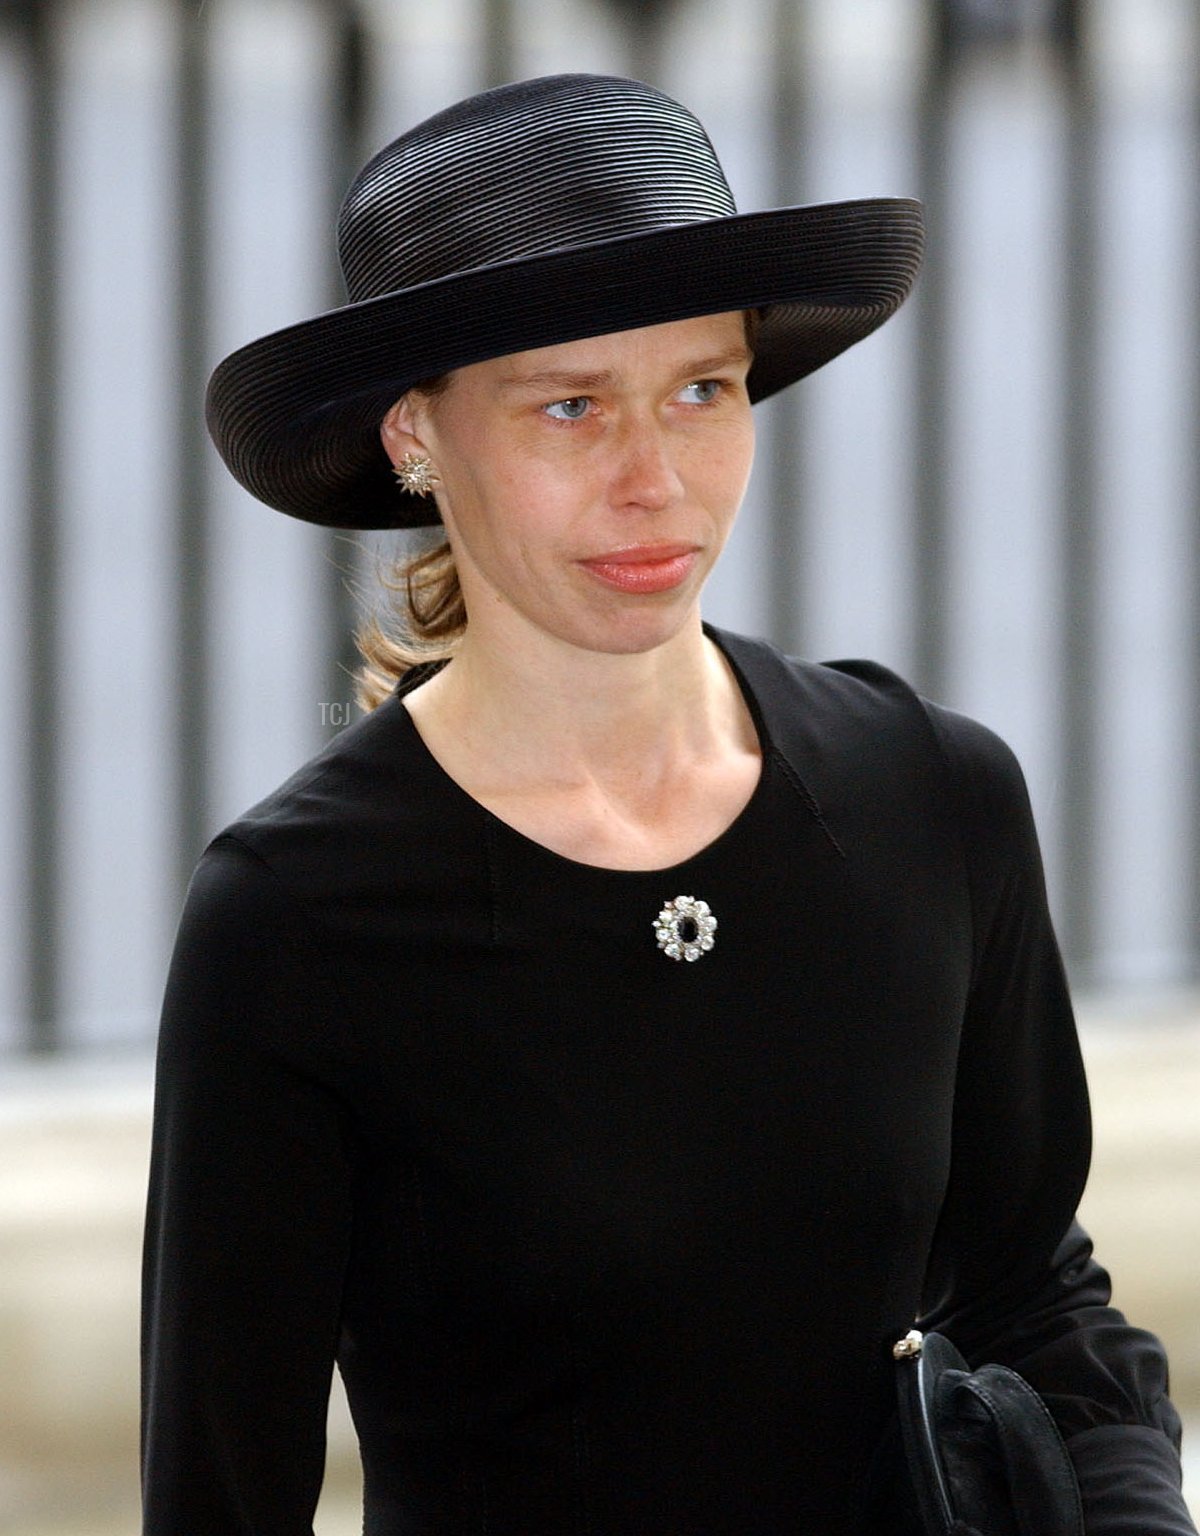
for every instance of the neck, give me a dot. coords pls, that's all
(565, 714)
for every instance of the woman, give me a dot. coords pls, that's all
(607, 1046)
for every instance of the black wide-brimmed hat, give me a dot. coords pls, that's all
(534, 214)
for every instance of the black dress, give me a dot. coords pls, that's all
(604, 1241)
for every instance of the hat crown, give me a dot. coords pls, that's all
(544, 165)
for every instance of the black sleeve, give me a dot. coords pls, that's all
(248, 1220)
(1011, 1276)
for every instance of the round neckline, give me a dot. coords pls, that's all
(499, 826)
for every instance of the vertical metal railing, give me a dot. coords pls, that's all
(1078, 596)
(930, 502)
(38, 25)
(499, 42)
(787, 490)
(1193, 896)
(646, 24)
(193, 512)
(350, 86)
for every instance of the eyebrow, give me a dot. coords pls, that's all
(553, 378)
(580, 383)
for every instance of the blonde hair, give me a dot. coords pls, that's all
(426, 616)
(429, 619)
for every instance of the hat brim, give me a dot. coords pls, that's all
(296, 414)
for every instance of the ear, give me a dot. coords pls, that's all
(400, 432)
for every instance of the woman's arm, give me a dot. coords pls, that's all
(1011, 1276)
(249, 1216)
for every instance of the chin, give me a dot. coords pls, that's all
(634, 632)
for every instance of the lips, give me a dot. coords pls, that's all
(644, 567)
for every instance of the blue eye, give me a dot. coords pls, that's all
(574, 409)
(703, 391)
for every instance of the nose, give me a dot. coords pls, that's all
(645, 475)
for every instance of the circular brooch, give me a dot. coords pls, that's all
(685, 928)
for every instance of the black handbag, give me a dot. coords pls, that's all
(984, 1456)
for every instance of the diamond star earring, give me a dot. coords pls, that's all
(416, 474)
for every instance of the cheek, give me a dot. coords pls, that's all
(745, 436)
(499, 525)
(730, 463)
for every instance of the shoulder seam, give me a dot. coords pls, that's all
(808, 798)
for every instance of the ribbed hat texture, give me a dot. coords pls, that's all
(534, 214)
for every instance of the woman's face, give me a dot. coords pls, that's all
(588, 488)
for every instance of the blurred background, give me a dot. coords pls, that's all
(997, 495)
